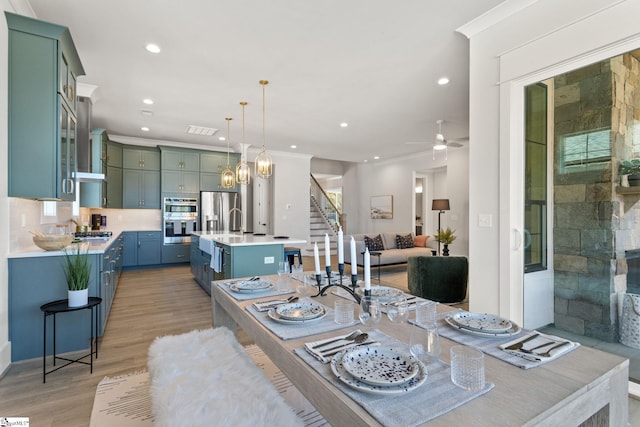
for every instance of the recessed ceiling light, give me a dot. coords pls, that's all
(144, 129)
(366, 161)
(222, 138)
(376, 157)
(146, 112)
(153, 48)
(294, 146)
(148, 101)
(443, 81)
(344, 124)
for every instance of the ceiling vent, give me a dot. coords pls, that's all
(201, 130)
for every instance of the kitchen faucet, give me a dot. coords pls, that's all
(241, 219)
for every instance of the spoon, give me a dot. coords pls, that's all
(352, 336)
(357, 340)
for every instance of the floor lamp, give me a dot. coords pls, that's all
(439, 205)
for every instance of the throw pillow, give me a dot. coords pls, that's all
(404, 242)
(374, 243)
(420, 241)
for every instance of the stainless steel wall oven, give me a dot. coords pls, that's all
(180, 219)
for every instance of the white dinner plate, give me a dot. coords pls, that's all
(275, 317)
(300, 311)
(251, 286)
(482, 322)
(384, 293)
(514, 330)
(380, 366)
(341, 373)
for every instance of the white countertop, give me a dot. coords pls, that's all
(247, 239)
(95, 247)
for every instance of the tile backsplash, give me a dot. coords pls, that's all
(26, 216)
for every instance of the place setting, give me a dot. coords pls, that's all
(252, 288)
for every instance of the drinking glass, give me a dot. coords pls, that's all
(467, 368)
(297, 272)
(398, 309)
(424, 343)
(305, 286)
(426, 311)
(343, 312)
(369, 312)
(283, 276)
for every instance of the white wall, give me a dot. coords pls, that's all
(508, 49)
(290, 203)
(397, 178)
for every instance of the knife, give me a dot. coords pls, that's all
(345, 346)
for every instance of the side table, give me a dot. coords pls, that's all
(374, 253)
(62, 306)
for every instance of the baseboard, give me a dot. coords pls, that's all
(5, 358)
(634, 390)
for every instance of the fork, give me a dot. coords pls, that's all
(548, 352)
(349, 337)
(518, 345)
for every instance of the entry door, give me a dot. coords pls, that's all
(538, 219)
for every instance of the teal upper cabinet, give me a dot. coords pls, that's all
(180, 159)
(211, 166)
(106, 158)
(43, 67)
(140, 158)
(214, 162)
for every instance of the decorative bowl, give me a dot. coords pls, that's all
(52, 242)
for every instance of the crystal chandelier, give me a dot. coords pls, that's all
(228, 178)
(243, 172)
(263, 162)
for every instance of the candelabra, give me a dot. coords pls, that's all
(351, 290)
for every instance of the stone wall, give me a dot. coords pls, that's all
(591, 221)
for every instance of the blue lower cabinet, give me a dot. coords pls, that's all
(142, 248)
(176, 253)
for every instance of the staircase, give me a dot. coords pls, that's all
(318, 226)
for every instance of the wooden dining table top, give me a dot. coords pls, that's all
(565, 391)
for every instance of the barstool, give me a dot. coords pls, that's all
(290, 253)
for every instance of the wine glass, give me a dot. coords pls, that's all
(369, 311)
(398, 309)
(424, 343)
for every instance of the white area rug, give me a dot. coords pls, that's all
(124, 401)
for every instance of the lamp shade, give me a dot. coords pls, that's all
(440, 205)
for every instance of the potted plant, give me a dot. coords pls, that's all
(629, 172)
(446, 237)
(77, 271)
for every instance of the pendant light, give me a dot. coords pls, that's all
(243, 171)
(228, 178)
(264, 163)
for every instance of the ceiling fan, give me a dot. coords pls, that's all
(440, 142)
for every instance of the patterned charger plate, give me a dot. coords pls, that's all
(481, 322)
(380, 366)
(300, 311)
(251, 286)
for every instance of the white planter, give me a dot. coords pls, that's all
(78, 298)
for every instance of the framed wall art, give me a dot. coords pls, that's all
(381, 207)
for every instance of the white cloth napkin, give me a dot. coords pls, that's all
(543, 342)
(318, 352)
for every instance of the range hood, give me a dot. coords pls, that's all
(87, 172)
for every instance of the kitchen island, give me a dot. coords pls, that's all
(217, 256)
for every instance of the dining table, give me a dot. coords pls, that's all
(582, 387)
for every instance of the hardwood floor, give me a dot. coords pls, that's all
(148, 303)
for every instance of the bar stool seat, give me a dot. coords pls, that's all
(290, 253)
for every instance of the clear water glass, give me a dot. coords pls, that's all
(467, 367)
(343, 312)
(398, 309)
(297, 272)
(305, 286)
(426, 311)
(283, 276)
(424, 343)
(369, 311)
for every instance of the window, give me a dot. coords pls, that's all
(585, 151)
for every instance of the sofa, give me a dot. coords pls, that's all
(391, 254)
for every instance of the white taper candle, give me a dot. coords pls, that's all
(327, 250)
(367, 270)
(316, 257)
(340, 246)
(354, 260)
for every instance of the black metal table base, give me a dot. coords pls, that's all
(62, 306)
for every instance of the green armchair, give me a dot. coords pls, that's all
(438, 278)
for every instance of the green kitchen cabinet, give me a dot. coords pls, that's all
(106, 158)
(140, 189)
(180, 159)
(176, 253)
(42, 71)
(211, 167)
(141, 158)
(215, 161)
(180, 182)
(142, 248)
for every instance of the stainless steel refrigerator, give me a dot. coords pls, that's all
(220, 212)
